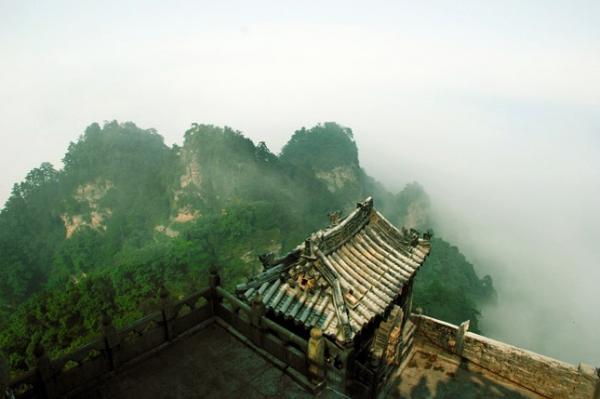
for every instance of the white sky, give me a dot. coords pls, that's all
(494, 108)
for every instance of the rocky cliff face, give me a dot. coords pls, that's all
(413, 206)
(328, 152)
(88, 196)
(338, 178)
(318, 171)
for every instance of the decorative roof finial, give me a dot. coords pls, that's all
(267, 260)
(366, 204)
(334, 218)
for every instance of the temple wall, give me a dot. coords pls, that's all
(541, 374)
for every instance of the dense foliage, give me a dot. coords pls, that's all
(446, 294)
(128, 214)
(323, 147)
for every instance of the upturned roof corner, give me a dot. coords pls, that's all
(342, 276)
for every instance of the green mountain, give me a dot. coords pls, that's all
(128, 214)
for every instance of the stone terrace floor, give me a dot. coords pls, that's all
(212, 363)
(208, 364)
(435, 374)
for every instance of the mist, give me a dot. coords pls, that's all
(528, 216)
(492, 108)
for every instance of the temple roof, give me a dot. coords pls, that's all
(343, 276)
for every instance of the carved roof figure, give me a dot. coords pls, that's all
(343, 276)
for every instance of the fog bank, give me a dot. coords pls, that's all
(527, 214)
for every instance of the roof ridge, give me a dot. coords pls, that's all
(332, 238)
(341, 308)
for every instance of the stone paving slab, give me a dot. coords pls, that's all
(209, 364)
(433, 374)
(214, 364)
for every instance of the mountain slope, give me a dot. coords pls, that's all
(128, 214)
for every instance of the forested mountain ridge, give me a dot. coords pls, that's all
(128, 214)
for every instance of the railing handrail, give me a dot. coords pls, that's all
(113, 345)
(282, 332)
(97, 343)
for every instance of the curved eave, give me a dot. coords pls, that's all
(370, 259)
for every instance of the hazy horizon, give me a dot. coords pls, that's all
(492, 108)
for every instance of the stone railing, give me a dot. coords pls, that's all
(251, 322)
(114, 348)
(546, 376)
(117, 348)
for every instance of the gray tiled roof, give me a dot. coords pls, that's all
(343, 276)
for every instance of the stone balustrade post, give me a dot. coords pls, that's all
(460, 337)
(111, 340)
(342, 365)
(214, 280)
(4, 379)
(45, 373)
(258, 311)
(316, 355)
(167, 312)
(409, 300)
(593, 374)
